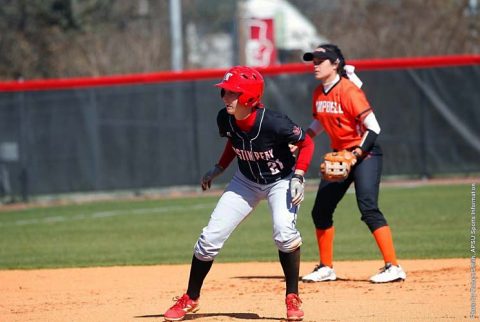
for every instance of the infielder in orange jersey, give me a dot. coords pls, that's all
(341, 109)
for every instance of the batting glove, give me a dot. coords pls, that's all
(210, 175)
(297, 189)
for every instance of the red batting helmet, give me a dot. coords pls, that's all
(244, 80)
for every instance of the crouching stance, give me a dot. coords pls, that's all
(267, 170)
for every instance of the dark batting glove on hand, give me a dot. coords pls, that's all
(210, 175)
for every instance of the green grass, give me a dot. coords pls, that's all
(427, 222)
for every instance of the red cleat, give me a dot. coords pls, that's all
(294, 311)
(183, 306)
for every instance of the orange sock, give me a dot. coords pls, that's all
(325, 245)
(383, 237)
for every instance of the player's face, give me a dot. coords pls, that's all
(324, 70)
(231, 100)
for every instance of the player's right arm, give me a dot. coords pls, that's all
(315, 128)
(227, 156)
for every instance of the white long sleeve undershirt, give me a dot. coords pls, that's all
(370, 122)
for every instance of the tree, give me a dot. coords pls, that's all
(67, 38)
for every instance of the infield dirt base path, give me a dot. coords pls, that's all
(435, 290)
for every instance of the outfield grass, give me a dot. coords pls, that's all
(427, 222)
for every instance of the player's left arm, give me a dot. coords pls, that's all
(370, 136)
(297, 183)
(297, 136)
(357, 104)
(306, 148)
(313, 130)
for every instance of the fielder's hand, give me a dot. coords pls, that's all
(297, 189)
(209, 176)
(337, 165)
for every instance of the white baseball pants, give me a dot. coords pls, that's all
(237, 202)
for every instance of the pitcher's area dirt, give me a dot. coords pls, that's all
(435, 290)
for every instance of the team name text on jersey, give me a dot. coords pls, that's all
(328, 107)
(253, 155)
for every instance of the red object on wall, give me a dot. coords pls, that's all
(260, 47)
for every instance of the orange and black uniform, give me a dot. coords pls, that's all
(341, 112)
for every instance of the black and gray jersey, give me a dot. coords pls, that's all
(263, 153)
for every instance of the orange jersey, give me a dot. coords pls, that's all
(341, 112)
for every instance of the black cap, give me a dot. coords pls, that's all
(321, 55)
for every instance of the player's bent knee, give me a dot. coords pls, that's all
(205, 251)
(203, 258)
(323, 225)
(323, 222)
(322, 219)
(289, 246)
(374, 220)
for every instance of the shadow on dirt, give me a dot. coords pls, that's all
(241, 316)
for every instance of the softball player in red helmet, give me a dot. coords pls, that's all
(341, 109)
(259, 138)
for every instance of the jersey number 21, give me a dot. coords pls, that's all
(275, 166)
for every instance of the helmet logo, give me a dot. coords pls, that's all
(227, 76)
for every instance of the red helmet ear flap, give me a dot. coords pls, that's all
(249, 100)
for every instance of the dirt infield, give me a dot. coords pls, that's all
(435, 290)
